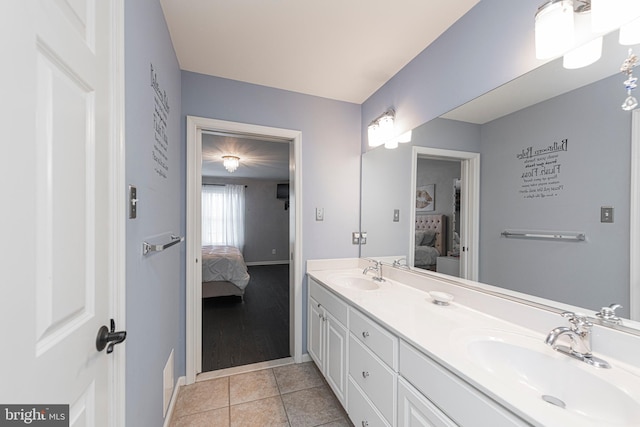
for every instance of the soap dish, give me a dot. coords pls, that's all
(441, 298)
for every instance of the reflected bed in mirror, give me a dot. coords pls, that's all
(549, 163)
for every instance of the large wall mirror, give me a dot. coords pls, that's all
(555, 150)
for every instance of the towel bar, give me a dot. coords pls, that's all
(551, 235)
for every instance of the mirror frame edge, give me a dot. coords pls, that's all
(634, 226)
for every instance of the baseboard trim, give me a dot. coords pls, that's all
(174, 397)
(306, 358)
(285, 261)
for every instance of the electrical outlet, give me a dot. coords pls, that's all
(355, 238)
(319, 214)
(273, 251)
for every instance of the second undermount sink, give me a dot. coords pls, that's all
(355, 281)
(526, 364)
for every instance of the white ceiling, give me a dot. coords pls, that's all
(259, 158)
(337, 49)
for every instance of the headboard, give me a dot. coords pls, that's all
(438, 223)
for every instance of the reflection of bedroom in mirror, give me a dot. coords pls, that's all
(245, 247)
(437, 243)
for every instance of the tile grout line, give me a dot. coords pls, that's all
(286, 413)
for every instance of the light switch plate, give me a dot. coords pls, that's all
(396, 215)
(133, 202)
(606, 214)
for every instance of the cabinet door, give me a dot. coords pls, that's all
(315, 339)
(336, 357)
(415, 410)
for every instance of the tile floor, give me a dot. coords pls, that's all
(291, 396)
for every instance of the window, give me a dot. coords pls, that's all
(223, 215)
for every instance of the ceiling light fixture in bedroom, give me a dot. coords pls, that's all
(231, 163)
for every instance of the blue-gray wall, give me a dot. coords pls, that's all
(489, 46)
(594, 171)
(155, 283)
(266, 222)
(387, 174)
(330, 153)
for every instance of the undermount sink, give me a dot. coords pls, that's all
(605, 396)
(355, 281)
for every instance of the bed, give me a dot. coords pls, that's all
(224, 272)
(431, 240)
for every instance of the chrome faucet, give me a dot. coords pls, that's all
(377, 267)
(400, 263)
(579, 334)
(608, 315)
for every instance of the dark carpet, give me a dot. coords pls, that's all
(236, 332)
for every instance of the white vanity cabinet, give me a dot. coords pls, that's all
(373, 363)
(415, 410)
(327, 337)
(382, 380)
(460, 401)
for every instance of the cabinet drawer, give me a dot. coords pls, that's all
(330, 302)
(375, 378)
(375, 337)
(459, 400)
(361, 411)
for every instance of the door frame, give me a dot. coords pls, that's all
(470, 204)
(195, 127)
(118, 220)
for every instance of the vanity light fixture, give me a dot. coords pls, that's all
(231, 163)
(554, 28)
(382, 131)
(574, 28)
(588, 49)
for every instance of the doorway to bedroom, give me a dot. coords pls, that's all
(243, 307)
(245, 247)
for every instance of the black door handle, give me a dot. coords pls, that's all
(109, 338)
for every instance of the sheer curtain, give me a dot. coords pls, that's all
(223, 215)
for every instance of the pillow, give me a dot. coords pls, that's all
(425, 238)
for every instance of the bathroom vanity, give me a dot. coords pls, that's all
(394, 358)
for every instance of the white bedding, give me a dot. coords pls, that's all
(425, 255)
(224, 263)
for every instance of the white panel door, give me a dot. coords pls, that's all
(57, 169)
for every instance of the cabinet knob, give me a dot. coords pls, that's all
(365, 374)
(365, 424)
(365, 334)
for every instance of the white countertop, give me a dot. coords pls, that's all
(444, 334)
